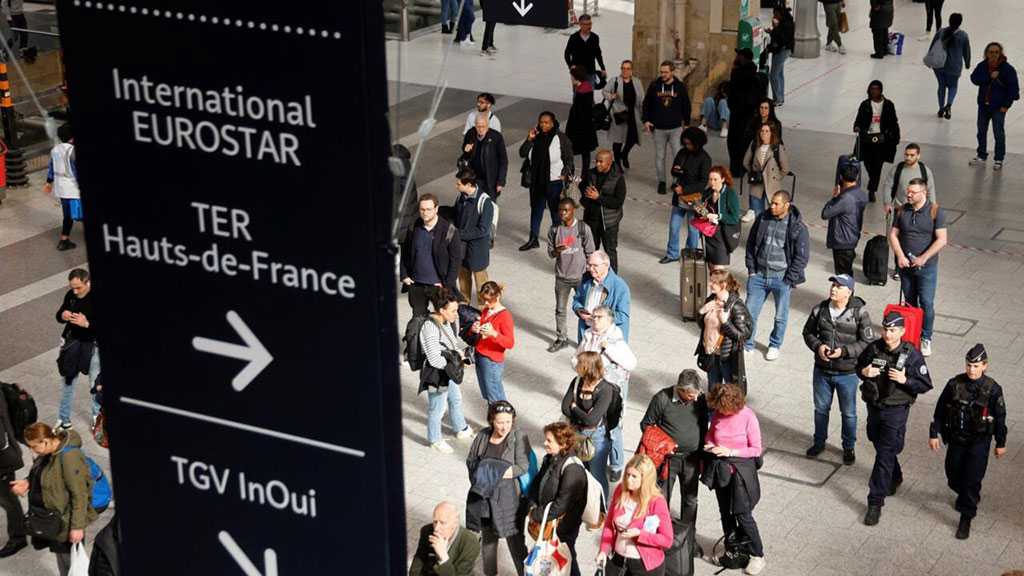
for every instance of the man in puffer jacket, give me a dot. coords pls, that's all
(837, 331)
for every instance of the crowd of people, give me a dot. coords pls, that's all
(699, 430)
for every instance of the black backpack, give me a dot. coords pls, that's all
(413, 351)
(21, 407)
(614, 414)
(736, 555)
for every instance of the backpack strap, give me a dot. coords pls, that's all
(896, 180)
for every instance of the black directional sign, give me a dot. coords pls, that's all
(232, 158)
(546, 13)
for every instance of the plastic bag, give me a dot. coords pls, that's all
(79, 561)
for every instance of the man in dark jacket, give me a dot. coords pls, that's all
(845, 215)
(681, 411)
(880, 20)
(837, 331)
(474, 213)
(893, 374)
(80, 352)
(744, 94)
(969, 413)
(444, 547)
(665, 112)
(431, 256)
(602, 203)
(10, 463)
(483, 149)
(584, 49)
(778, 249)
(998, 88)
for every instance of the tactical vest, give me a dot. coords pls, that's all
(967, 415)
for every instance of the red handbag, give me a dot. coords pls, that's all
(704, 226)
(657, 445)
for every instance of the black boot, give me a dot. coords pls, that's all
(963, 531)
(873, 514)
(15, 544)
(530, 244)
(871, 196)
(662, 188)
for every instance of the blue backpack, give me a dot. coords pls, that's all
(101, 492)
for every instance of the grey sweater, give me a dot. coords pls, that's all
(572, 262)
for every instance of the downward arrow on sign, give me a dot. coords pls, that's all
(253, 351)
(269, 557)
(522, 7)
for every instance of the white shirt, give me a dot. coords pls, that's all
(492, 121)
(876, 117)
(554, 159)
(65, 185)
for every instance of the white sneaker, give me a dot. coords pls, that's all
(749, 216)
(830, 47)
(465, 434)
(724, 133)
(703, 127)
(755, 566)
(977, 162)
(773, 354)
(924, 37)
(926, 347)
(997, 165)
(842, 49)
(442, 447)
(467, 43)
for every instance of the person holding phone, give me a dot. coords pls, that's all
(638, 528)
(547, 166)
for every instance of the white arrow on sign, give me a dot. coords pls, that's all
(253, 351)
(522, 7)
(269, 557)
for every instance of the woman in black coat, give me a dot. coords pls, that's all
(561, 484)
(878, 134)
(580, 127)
(724, 327)
(547, 166)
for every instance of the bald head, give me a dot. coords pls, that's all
(603, 161)
(446, 520)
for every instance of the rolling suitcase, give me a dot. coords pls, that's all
(693, 283)
(913, 320)
(679, 557)
(875, 260)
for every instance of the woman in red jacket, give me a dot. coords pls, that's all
(637, 529)
(497, 334)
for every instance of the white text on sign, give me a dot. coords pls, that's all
(273, 493)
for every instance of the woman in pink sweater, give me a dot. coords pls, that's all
(637, 529)
(734, 438)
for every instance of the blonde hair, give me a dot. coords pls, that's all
(648, 490)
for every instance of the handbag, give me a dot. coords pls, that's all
(547, 557)
(621, 116)
(602, 119)
(732, 233)
(704, 226)
(844, 23)
(43, 523)
(755, 177)
(571, 191)
(585, 448)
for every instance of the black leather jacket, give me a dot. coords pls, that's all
(850, 331)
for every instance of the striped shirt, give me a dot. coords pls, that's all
(434, 339)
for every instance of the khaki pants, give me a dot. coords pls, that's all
(466, 281)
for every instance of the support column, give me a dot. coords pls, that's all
(808, 39)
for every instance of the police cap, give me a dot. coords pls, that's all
(892, 320)
(977, 354)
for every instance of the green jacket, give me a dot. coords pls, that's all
(67, 486)
(462, 555)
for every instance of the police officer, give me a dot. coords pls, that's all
(893, 373)
(970, 411)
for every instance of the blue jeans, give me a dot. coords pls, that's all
(758, 289)
(488, 376)
(677, 220)
(437, 400)
(617, 461)
(67, 393)
(465, 21)
(449, 9)
(918, 286)
(948, 85)
(776, 75)
(598, 465)
(985, 114)
(550, 201)
(845, 387)
(715, 114)
(756, 204)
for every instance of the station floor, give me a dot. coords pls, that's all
(810, 513)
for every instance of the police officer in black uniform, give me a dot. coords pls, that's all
(970, 411)
(893, 373)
